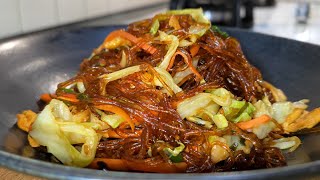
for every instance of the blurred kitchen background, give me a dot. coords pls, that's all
(294, 19)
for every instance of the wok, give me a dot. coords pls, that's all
(35, 63)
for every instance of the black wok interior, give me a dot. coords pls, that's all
(35, 63)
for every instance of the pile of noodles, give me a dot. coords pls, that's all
(213, 60)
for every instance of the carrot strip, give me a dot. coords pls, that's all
(188, 60)
(194, 49)
(46, 98)
(125, 165)
(123, 34)
(110, 134)
(171, 62)
(117, 110)
(254, 122)
(32, 142)
(68, 97)
(26, 119)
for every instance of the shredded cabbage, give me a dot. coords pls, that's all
(123, 62)
(263, 107)
(281, 110)
(154, 27)
(179, 76)
(167, 78)
(60, 110)
(197, 14)
(212, 139)
(239, 111)
(116, 42)
(291, 143)
(218, 153)
(198, 30)
(55, 129)
(246, 114)
(219, 120)
(113, 120)
(278, 111)
(212, 107)
(121, 73)
(82, 116)
(302, 104)
(237, 144)
(81, 87)
(176, 151)
(192, 105)
(263, 130)
(221, 96)
(173, 42)
(231, 111)
(199, 121)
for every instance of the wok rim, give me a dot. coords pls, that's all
(56, 171)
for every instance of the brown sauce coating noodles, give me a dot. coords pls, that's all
(221, 64)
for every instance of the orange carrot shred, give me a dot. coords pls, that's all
(188, 60)
(194, 49)
(254, 122)
(46, 98)
(121, 33)
(68, 97)
(32, 142)
(126, 165)
(118, 111)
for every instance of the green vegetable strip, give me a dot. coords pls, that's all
(154, 27)
(175, 155)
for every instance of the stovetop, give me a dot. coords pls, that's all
(279, 20)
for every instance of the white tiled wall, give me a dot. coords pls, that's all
(18, 16)
(72, 10)
(38, 14)
(12, 25)
(97, 7)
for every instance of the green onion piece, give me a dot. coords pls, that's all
(221, 33)
(176, 150)
(244, 114)
(250, 109)
(82, 97)
(234, 146)
(243, 117)
(232, 111)
(154, 27)
(67, 90)
(176, 159)
(212, 139)
(220, 121)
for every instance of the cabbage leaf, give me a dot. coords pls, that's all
(55, 129)
(173, 43)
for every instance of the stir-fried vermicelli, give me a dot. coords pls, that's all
(168, 94)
